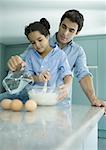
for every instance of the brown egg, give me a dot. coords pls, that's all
(6, 104)
(30, 105)
(16, 105)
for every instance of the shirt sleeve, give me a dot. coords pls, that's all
(29, 67)
(64, 66)
(81, 70)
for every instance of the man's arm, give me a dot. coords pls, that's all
(88, 88)
(64, 89)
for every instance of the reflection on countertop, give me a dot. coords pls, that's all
(48, 128)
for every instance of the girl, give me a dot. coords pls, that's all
(43, 62)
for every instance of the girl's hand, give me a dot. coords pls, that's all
(63, 91)
(44, 76)
(15, 63)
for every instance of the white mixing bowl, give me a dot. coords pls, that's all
(49, 97)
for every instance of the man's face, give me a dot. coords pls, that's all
(67, 31)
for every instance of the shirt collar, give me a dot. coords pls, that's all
(54, 39)
(55, 48)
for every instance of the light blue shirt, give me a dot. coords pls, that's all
(55, 62)
(76, 57)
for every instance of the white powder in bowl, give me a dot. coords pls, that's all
(49, 98)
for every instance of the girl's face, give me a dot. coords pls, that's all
(39, 42)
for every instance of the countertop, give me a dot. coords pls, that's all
(48, 128)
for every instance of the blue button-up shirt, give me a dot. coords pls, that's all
(55, 62)
(76, 57)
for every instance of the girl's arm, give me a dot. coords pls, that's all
(65, 88)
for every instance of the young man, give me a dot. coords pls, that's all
(71, 24)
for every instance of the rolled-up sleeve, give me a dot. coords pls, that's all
(29, 67)
(81, 70)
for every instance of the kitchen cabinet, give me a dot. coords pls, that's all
(0, 68)
(89, 44)
(2, 58)
(102, 81)
(95, 48)
(102, 67)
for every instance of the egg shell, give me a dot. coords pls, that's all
(6, 104)
(16, 105)
(30, 105)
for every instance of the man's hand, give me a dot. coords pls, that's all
(15, 63)
(99, 103)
